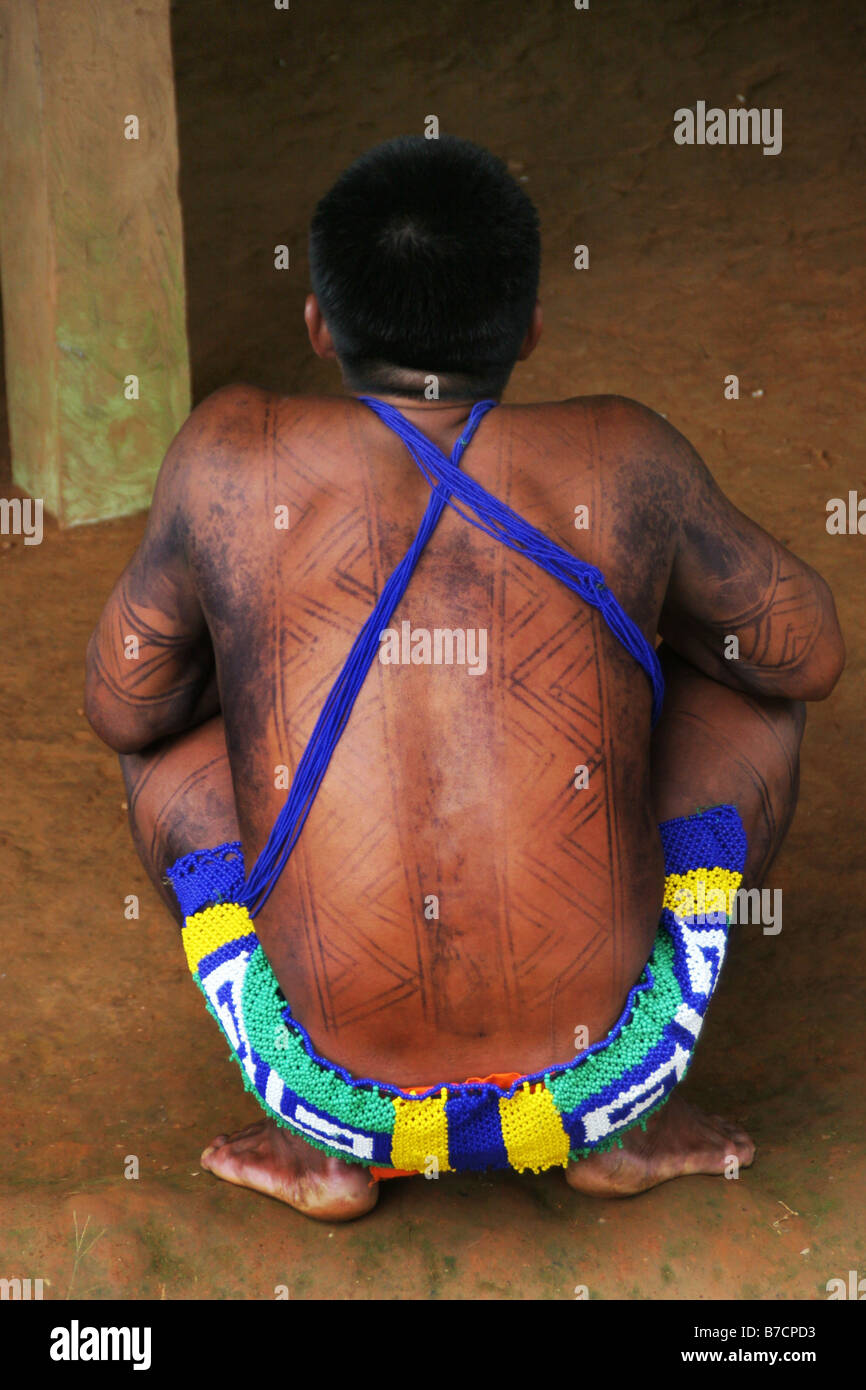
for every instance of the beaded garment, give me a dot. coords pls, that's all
(541, 1120)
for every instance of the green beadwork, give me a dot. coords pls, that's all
(283, 1049)
(653, 1010)
(274, 1115)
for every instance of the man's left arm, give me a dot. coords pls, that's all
(150, 661)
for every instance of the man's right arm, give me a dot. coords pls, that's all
(731, 579)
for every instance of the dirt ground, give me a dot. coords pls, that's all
(704, 261)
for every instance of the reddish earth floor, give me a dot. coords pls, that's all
(704, 261)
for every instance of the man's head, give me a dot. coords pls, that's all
(424, 260)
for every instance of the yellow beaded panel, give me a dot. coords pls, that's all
(420, 1134)
(532, 1130)
(212, 927)
(701, 891)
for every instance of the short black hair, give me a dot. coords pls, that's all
(425, 255)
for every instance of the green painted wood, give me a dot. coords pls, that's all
(91, 252)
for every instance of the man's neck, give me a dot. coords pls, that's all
(441, 421)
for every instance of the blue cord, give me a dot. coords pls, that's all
(496, 520)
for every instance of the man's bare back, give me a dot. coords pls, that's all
(446, 785)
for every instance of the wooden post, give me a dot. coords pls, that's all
(91, 252)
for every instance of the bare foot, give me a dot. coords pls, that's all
(280, 1164)
(678, 1140)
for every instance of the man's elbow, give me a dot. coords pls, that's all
(110, 720)
(113, 725)
(122, 743)
(823, 674)
(120, 737)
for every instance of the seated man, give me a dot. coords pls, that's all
(453, 845)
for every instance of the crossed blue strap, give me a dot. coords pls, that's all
(495, 519)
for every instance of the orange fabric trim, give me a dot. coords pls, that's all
(503, 1079)
(377, 1174)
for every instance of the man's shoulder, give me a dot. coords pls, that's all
(234, 426)
(615, 412)
(225, 420)
(238, 408)
(621, 433)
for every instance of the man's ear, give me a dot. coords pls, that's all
(320, 336)
(531, 340)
